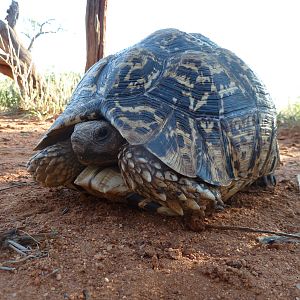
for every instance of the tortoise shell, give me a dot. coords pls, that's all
(197, 107)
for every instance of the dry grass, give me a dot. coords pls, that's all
(29, 92)
(58, 91)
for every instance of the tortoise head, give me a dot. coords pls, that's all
(96, 143)
(84, 105)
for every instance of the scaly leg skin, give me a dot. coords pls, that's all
(55, 165)
(177, 195)
(267, 181)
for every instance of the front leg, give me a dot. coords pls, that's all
(56, 165)
(177, 195)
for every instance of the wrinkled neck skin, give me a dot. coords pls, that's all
(97, 143)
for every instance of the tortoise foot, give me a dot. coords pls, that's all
(176, 194)
(55, 165)
(267, 181)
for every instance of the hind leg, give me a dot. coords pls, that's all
(176, 194)
(267, 181)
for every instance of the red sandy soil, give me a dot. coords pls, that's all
(110, 251)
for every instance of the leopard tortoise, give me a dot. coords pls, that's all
(175, 123)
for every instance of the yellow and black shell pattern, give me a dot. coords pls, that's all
(197, 107)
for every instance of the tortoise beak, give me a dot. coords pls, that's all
(86, 158)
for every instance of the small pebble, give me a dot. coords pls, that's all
(174, 253)
(66, 296)
(58, 276)
(106, 279)
(278, 283)
(37, 281)
(99, 256)
(234, 264)
(243, 262)
(99, 265)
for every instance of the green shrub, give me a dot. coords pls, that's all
(9, 95)
(53, 99)
(290, 116)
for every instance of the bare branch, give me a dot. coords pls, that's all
(26, 34)
(45, 23)
(41, 31)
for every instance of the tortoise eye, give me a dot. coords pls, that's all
(102, 133)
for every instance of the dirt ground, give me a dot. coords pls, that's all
(110, 251)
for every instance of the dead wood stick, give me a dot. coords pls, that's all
(20, 260)
(17, 250)
(17, 245)
(248, 229)
(14, 185)
(25, 239)
(8, 187)
(3, 268)
(52, 273)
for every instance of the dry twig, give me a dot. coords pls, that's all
(19, 241)
(248, 229)
(4, 268)
(15, 185)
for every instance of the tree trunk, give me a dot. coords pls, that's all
(12, 14)
(95, 21)
(16, 61)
